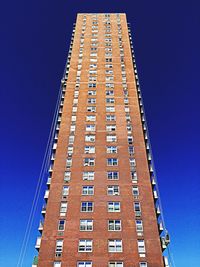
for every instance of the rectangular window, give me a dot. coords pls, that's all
(111, 149)
(61, 225)
(143, 264)
(110, 109)
(113, 175)
(89, 162)
(67, 176)
(85, 245)
(137, 209)
(109, 92)
(90, 128)
(91, 100)
(92, 85)
(112, 162)
(113, 206)
(111, 128)
(84, 264)
(65, 190)
(110, 118)
(92, 92)
(90, 118)
(115, 245)
(135, 190)
(89, 149)
(87, 190)
(59, 245)
(110, 100)
(113, 190)
(114, 225)
(88, 176)
(86, 225)
(111, 138)
(131, 150)
(57, 264)
(141, 246)
(139, 225)
(63, 208)
(69, 162)
(87, 206)
(90, 138)
(115, 264)
(91, 109)
(130, 140)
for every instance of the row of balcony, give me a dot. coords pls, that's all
(164, 237)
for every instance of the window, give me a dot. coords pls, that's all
(110, 118)
(92, 92)
(114, 225)
(114, 206)
(130, 140)
(135, 191)
(87, 206)
(85, 245)
(89, 162)
(110, 100)
(109, 66)
(110, 92)
(72, 128)
(111, 138)
(91, 109)
(91, 118)
(110, 109)
(113, 190)
(57, 264)
(143, 264)
(139, 225)
(87, 190)
(71, 139)
(109, 85)
(110, 128)
(115, 264)
(86, 225)
(113, 175)
(90, 138)
(89, 149)
(141, 246)
(73, 118)
(59, 245)
(111, 149)
(134, 176)
(132, 164)
(112, 162)
(91, 100)
(84, 264)
(67, 176)
(65, 191)
(90, 128)
(61, 225)
(137, 209)
(131, 150)
(92, 85)
(115, 245)
(88, 176)
(63, 208)
(69, 162)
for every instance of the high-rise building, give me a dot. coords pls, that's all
(102, 203)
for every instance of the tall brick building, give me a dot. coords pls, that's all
(102, 203)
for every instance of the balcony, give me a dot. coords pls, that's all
(46, 195)
(160, 227)
(40, 228)
(158, 211)
(165, 240)
(155, 194)
(43, 210)
(166, 262)
(35, 261)
(38, 243)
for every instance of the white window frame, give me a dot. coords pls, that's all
(113, 190)
(86, 244)
(87, 190)
(115, 245)
(114, 206)
(114, 225)
(86, 225)
(88, 176)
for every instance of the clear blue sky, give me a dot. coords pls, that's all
(34, 43)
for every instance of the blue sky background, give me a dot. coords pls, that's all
(34, 43)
